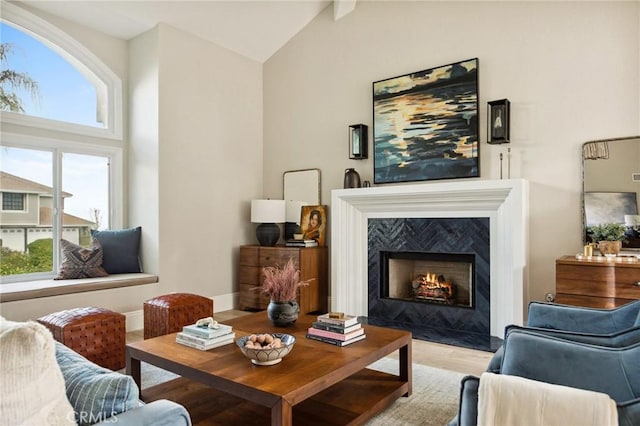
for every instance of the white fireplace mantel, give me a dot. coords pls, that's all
(504, 202)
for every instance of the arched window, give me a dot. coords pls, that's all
(54, 184)
(67, 58)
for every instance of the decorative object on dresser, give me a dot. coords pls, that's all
(608, 236)
(425, 124)
(597, 282)
(498, 121)
(311, 261)
(293, 215)
(313, 223)
(358, 142)
(268, 213)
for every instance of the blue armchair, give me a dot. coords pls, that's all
(604, 327)
(584, 320)
(611, 370)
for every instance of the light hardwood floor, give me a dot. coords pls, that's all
(447, 357)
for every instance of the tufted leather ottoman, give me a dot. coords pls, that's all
(169, 313)
(98, 334)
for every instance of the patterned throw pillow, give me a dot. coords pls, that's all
(81, 262)
(95, 393)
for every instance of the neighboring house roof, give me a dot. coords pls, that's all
(13, 183)
(67, 219)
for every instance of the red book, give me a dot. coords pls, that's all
(336, 336)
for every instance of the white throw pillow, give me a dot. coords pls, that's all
(31, 383)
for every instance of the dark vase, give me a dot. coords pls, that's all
(283, 314)
(351, 179)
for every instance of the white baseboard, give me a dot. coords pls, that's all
(225, 302)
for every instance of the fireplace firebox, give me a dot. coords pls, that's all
(444, 279)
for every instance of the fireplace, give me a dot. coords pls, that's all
(451, 304)
(503, 203)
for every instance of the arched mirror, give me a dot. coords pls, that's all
(611, 186)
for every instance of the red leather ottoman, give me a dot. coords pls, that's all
(169, 313)
(98, 334)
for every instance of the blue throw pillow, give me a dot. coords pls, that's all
(121, 250)
(95, 393)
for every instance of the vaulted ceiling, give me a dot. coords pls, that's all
(255, 29)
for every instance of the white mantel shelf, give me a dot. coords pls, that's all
(504, 202)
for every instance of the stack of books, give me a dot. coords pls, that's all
(301, 243)
(205, 338)
(337, 329)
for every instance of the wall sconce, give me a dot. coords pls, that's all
(267, 213)
(358, 142)
(498, 121)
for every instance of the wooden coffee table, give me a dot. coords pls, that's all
(317, 383)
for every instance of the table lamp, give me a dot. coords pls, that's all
(267, 213)
(292, 224)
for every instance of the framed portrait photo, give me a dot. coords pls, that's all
(313, 223)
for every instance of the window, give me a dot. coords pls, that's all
(55, 185)
(64, 93)
(12, 201)
(88, 93)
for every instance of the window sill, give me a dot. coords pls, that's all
(46, 288)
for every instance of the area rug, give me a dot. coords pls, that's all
(434, 400)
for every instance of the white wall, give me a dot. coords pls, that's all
(570, 69)
(210, 161)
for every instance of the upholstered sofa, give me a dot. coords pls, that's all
(45, 383)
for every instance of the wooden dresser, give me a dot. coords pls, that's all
(596, 283)
(312, 262)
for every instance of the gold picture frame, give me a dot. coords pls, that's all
(313, 223)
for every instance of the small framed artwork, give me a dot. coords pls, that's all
(313, 223)
(358, 141)
(498, 121)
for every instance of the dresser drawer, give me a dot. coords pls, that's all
(249, 256)
(250, 275)
(279, 257)
(596, 283)
(589, 301)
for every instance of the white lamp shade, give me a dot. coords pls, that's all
(294, 209)
(267, 211)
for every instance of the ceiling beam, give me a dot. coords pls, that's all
(342, 8)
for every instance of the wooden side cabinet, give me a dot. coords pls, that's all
(311, 261)
(596, 283)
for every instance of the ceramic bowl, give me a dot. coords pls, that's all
(267, 356)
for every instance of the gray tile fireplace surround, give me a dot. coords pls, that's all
(461, 326)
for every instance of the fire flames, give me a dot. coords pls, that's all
(433, 287)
